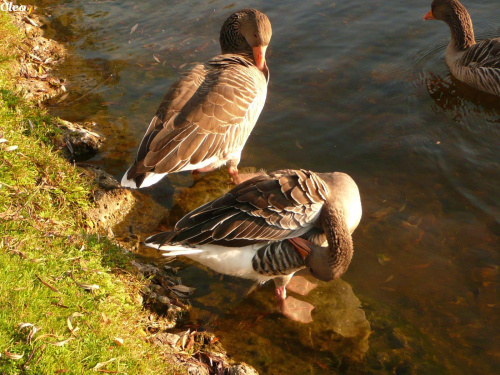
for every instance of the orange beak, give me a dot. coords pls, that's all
(429, 16)
(259, 55)
(301, 245)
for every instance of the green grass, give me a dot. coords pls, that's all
(48, 261)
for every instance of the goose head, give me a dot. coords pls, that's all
(339, 217)
(343, 197)
(247, 31)
(457, 18)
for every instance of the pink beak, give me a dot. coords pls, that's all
(259, 55)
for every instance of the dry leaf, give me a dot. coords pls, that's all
(389, 279)
(69, 321)
(70, 146)
(182, 289)
(87, 286)
(403, 206)
(156, 58)
(183, 340)
(61, 343)
(47, 284)
(382, 258)
(383, 212)
(3, 140)
(101, 364)
(32, 333)
(10, 148)
(105, 318)
(63, 97)
(118, 341)
(133, 28)
(13, 356)
(26, 18)
(46, 335)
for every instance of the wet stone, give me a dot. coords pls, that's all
(80, 141)
(242, 369)
(127, 215)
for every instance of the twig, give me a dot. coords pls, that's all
(47, 284)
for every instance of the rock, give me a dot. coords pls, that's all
(242, 369)
(103, 180)
(128, 215)
(197, 370)
(81, 142)
(163, 300)
(165, 338)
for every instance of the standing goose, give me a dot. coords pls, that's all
(477, 64)
(206, 117)
(271, 226)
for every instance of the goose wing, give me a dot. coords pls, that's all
(272, 207)
(483, 59)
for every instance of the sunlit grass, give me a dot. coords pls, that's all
(50, 268)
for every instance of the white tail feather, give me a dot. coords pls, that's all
(174, 250)
(125, 182)
(181, 252)
(150, 179)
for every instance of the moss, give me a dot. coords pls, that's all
(73, 286)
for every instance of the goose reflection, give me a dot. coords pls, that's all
(459, 99)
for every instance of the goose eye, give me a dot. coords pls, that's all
(255, 35)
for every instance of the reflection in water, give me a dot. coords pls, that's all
(338, 336)
(459, 100)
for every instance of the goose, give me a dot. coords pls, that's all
(477, 64)
(271, 226)
(206, 117)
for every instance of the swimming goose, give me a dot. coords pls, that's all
(206, 117)
(271, 226)
(477, 64)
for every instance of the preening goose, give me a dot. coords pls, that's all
(477, 64)
(206, 117)
(271, 226)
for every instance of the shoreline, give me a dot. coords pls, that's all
(111, 211)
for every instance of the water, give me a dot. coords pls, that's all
(359, 87)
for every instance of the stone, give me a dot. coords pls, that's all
(131, 215)
(80, 139)
(197, 370)
(242, 369)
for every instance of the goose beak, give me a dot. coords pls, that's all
(429, 16)
(259, 55)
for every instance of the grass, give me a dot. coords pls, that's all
(50, 266)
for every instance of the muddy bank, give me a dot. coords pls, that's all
(123, 215)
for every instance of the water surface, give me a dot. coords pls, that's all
(356, 86)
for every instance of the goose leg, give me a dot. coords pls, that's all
(233, 172)
(290, 307)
